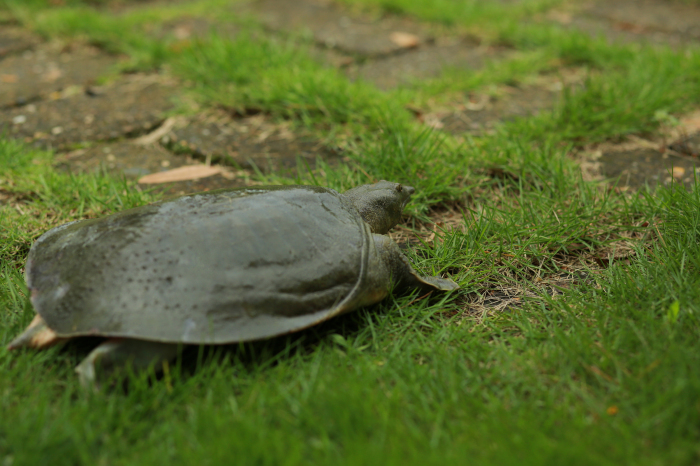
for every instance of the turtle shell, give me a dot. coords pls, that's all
(218, 267)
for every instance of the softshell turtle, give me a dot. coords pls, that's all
(219, 267)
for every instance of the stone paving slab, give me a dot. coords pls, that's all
(669, 22)
(122, 158)
(651, 15)
(672, 156)
(688, 146)
(624, 33)
(332, 26)
(245, 141)
(130, 106)
(424, 62)
(14, 39)
(193, 27)
(48, 68)
(181, 188)
(638, 167)
(134, 160)
(484, 113)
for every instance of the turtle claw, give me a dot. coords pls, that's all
(86, 369)
(36, 335)
(115, 355)
(86, 373)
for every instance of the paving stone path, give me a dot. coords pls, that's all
(50, 97)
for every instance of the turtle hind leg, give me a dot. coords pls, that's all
(36, 335)
(403, 273)
(116, 354)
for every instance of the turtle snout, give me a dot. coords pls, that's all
(409, 189)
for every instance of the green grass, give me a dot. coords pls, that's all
(624, 101)
(280, 78)
(408, 380)
(463, 13)
(594, 363)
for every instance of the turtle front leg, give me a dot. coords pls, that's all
(403, 273)
(115, 354)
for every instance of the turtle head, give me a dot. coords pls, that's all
(380, 204)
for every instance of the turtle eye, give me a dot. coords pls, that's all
(399, 188)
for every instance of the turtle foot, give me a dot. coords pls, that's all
(402, 271)
(37, 335)
(116, 355)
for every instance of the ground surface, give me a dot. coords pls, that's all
(50, 96)
(535, 132)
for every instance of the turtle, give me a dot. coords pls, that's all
(214, 268)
